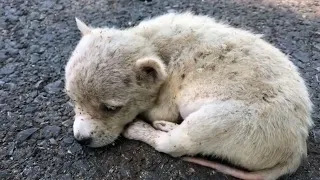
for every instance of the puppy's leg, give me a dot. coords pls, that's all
(142, 131)
(237, 132)
(226, 130)
(164, 125)
(177, 143)
(173, 142)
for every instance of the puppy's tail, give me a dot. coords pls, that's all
(224, 169)
(268, 174)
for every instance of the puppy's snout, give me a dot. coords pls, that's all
(84, 140)
(92, 132)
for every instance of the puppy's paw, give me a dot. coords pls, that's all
(137, 130)
(164, 125)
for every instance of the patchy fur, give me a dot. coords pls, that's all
(240, 98)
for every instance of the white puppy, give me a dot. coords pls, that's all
(239, 97)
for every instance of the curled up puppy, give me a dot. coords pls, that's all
(238, 97)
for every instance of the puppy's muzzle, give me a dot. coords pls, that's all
(84, 140)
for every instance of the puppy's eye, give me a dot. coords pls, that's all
(109, 108)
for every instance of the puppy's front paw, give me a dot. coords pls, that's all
(136, 130)
(164, 125)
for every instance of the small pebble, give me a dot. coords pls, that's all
(25, 134)
(53, 141)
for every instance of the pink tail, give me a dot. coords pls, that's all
(224, 169)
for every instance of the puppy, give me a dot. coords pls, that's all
(240, 98)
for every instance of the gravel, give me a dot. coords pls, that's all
(25, 134)
(54, 87)
(36, 39)
(7, 69)
(316, 136)
(51, 131)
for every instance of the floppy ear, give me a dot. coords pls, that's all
(84, 29)
(150, 70)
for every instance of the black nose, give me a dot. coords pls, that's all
(84, 141)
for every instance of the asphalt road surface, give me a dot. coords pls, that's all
(38, 36)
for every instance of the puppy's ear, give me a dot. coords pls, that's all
(84, 29)
(150, 70)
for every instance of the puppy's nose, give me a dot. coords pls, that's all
(84, 140)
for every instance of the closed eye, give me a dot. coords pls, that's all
(110, 108)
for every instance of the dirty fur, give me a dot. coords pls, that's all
(240, 98)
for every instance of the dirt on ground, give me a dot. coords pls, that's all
(37, 38)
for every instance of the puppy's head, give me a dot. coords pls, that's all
(111, 77)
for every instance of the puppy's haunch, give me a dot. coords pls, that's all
(239, 97)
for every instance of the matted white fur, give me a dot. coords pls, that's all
(240, 98)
